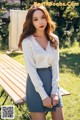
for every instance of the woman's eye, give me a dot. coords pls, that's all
(35, 19)
(43, 17)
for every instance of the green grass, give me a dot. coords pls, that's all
(69, 80)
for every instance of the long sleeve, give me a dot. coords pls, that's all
(31, 68)
(55, 71)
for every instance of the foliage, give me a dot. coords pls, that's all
(4, 34)
(68, 22)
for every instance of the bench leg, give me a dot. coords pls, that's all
(2, 92)
(5, 100)
(26, 113)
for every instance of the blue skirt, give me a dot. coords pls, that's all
(33, 99)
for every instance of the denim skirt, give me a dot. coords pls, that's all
(33, 99)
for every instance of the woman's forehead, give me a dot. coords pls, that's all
(38, 13)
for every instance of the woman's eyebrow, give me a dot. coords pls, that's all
(34, 17)
(40, 16)
(43, 15)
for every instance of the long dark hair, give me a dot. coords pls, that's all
(29, 29)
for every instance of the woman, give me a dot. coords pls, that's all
(41, 53)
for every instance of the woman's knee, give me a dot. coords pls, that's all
(58, 114)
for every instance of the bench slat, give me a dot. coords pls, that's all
(64, 92)
(19, 74)
(12, 94)
(8, 64)
(13, 86)
(3, 62)
(12, 62)
(15, 76)
(2, 66)
(13, 80)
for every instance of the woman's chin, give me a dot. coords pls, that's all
(41, 29)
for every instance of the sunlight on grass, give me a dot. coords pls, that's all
(2, 51)
(74, 49)
(70, 80)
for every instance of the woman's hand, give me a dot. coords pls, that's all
(47, 102)
(55, 99)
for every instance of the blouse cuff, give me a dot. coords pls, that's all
(42, 93)
(54, 90)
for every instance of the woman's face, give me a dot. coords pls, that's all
(39, 20)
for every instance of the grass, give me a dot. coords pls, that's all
(69, 79)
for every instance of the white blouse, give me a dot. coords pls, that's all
(36, 57)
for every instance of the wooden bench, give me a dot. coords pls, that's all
(13, 79)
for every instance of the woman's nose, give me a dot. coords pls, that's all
(40, 21)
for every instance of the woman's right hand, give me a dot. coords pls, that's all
(47, 102)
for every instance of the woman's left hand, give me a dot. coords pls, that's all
(55, 99)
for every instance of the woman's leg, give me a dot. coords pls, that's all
(58, 114)
(38, 116)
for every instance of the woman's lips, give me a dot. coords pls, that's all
(41, 26)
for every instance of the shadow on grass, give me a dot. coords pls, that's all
(14, 54)
(71, 62)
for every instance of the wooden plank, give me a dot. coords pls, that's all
(2, 66)
(64, 92)
(13, 80)
(17, 90)
(15, 76)
(18, 72)
(14, 62)
(11, 93)
(8, 64)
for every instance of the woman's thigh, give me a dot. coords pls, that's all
(38, 115)
(58, 114)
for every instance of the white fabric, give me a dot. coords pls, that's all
(36, 57)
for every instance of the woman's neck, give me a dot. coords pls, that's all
(39, 34)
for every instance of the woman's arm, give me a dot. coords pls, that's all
(31, 68)
(55, 71)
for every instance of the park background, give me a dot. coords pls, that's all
(68, 29)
